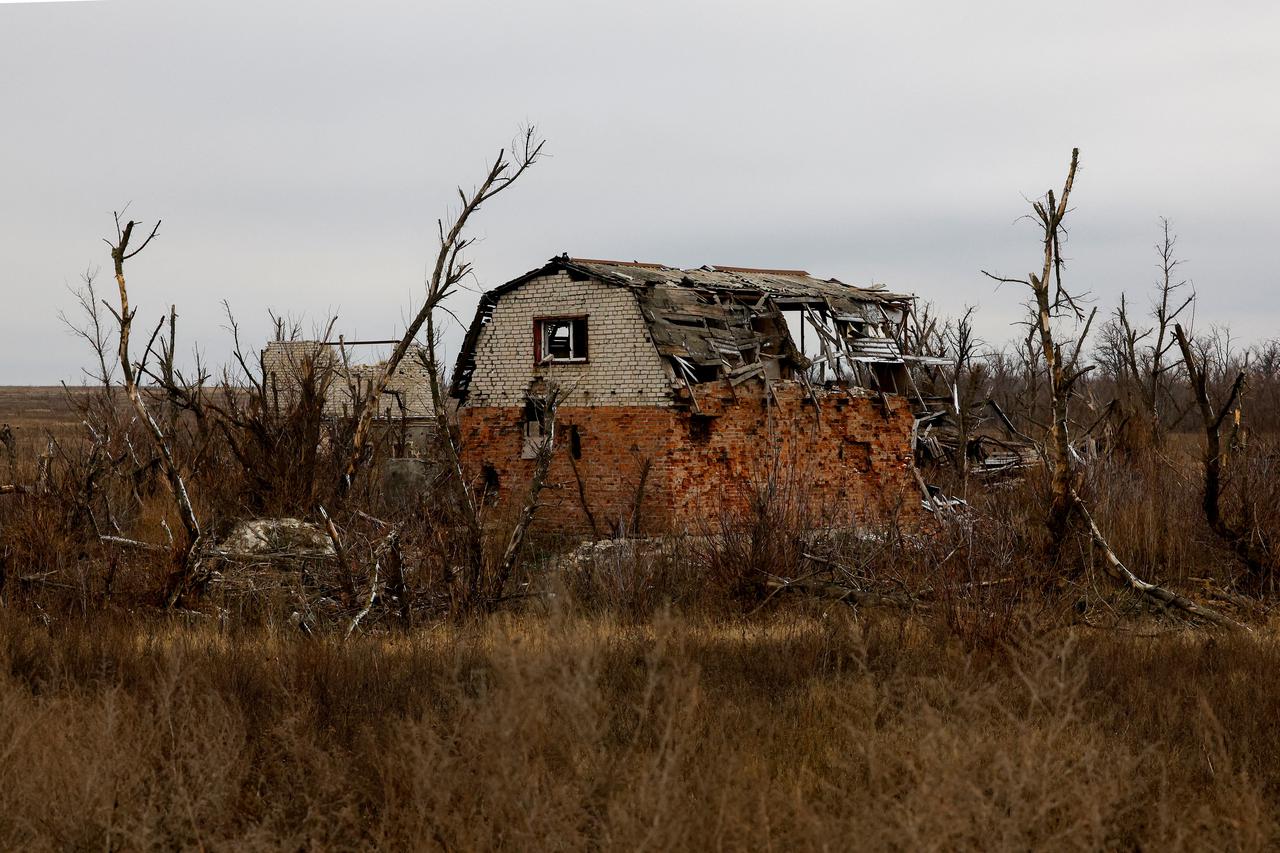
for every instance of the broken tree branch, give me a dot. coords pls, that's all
(1117, 570)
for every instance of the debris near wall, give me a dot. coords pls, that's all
(307, 567)
(991, 446)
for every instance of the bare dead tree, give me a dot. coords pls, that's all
(1052, 306)
(187, 558)
(449, 270)
(397, 585)
(966, 381)
(923, 334)
(92, 328)
(583, 503)
(1051, 303)
(635, 518)
(1145, 367)
(1165, 314)
(10, 445)
(548, 405)
(1120, 348)
(1249, 545)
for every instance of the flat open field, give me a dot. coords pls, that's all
(33, 413)
(35, 407)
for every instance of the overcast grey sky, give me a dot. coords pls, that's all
(299, 153)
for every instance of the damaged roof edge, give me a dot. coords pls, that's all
(670, 301)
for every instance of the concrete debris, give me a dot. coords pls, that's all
(261, 538)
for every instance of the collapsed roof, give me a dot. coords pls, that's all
(717, 321)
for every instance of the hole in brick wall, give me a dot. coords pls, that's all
(492, 484)
(700, 428)
(575, 442)
(537, 427)
(856, 454)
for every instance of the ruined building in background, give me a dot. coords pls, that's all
(337, 373)
(684, 391)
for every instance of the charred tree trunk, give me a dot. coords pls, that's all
(1246, 543)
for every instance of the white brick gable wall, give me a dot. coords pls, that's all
(623, 368)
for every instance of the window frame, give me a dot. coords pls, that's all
(540, 354)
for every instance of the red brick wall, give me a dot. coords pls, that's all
(851, 462)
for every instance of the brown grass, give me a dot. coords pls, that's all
(802, 731)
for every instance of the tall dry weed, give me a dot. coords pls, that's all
(569, 733)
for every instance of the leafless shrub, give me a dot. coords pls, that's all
(635, 579)
(743, 551)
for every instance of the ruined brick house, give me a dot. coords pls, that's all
(684, 390)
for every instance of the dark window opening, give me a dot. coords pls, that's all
(700, 428)
(889, 378)
(491, 483)
(575, 442)
(852, 330)
(560, 339)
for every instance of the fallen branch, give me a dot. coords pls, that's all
(368, 605)
(344, 573)
(1117, 570)
(133, 543)
(847, 594)
(929, 591)
(832, 564)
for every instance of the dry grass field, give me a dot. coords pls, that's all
(801, 730)
(646, 703)
(32, 409)
(33, 412)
